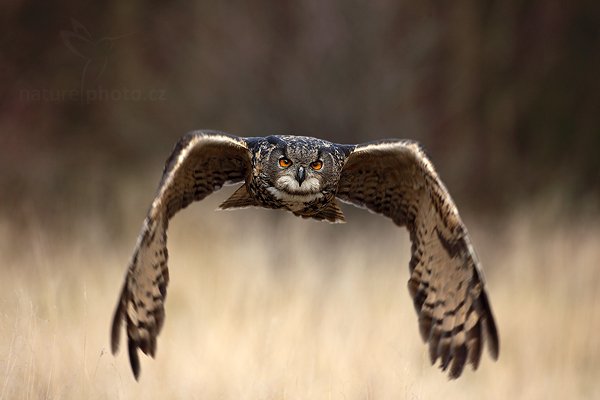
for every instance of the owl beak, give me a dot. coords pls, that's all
(300, 175)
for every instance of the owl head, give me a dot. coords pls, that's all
(299, 168)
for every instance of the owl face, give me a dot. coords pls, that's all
(301, 169)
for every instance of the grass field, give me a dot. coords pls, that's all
(263, 305)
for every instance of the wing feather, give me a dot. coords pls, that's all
(396, 179)
(200, 163)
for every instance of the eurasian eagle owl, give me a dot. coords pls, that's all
(306, 176)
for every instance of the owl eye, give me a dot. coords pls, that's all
(317, 165)
(284, 162)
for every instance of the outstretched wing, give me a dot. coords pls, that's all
(395, 178)
(200, 163)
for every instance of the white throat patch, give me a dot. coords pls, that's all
(288, 190)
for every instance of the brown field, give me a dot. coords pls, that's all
(263, 305)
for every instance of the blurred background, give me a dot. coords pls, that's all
(504, 97)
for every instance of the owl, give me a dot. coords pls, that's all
(307, 176)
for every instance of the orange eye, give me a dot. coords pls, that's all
(284, 162)
(317, 165)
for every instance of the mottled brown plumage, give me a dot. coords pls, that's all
(305, 176)
(396, 179)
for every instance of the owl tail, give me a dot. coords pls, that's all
(331, 213)
(241, 198)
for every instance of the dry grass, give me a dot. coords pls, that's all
(291, 309)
